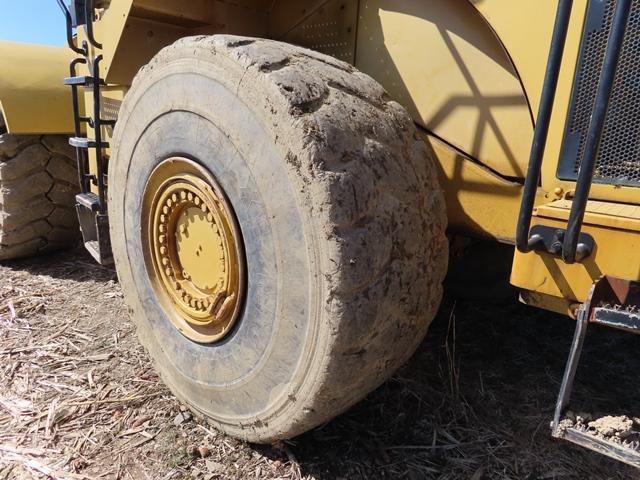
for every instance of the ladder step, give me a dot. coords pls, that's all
(619, 316)
(626, 452)
(79, 142)
(84, 80)
(89, 200)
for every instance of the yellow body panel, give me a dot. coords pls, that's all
(33, 99)
(442, 61)
(524, 28)
(479, 202)
(616, 230)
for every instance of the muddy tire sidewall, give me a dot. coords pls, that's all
(341, 285)
(279, 298)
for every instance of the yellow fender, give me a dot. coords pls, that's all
(33, 99)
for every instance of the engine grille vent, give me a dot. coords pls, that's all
(619, 158)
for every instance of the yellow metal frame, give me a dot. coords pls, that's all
(616, 231)
(33, 99)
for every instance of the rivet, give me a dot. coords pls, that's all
(169, 272)
(162, 238)
(210, 218)
(197, 201)
(190, 196)
(174, 197)
(162, 228)
(183, 195)
(163, 218)
(163, 250)
(165, 261)
(165, 209)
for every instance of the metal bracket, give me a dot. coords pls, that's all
(551, 240)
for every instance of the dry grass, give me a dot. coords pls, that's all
(78, 399)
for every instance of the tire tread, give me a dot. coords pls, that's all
(38, 179)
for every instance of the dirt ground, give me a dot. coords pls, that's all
(79, 400)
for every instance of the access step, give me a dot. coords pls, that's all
(94, 227)
(89, 200)
(611, 302)
(81, 81)
(80, 142)
(618, 441)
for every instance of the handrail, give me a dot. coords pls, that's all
(67, 14)
(556, 52)
(88, 13)
(81, 159)
(572, 250)
(98, 133)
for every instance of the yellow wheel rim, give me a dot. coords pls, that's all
(193, 249)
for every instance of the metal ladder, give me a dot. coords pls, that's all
(612, 301)
(91, 207)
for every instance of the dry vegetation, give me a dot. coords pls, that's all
(78, 399)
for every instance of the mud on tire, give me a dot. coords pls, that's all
(38, 183)
(341, 213)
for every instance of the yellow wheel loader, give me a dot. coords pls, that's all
(274, 180)
(38, 175)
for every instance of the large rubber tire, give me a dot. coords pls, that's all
(341, 215)
(38, 183)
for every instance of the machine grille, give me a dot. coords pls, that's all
(619, 157)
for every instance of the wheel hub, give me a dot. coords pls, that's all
(194, 249)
